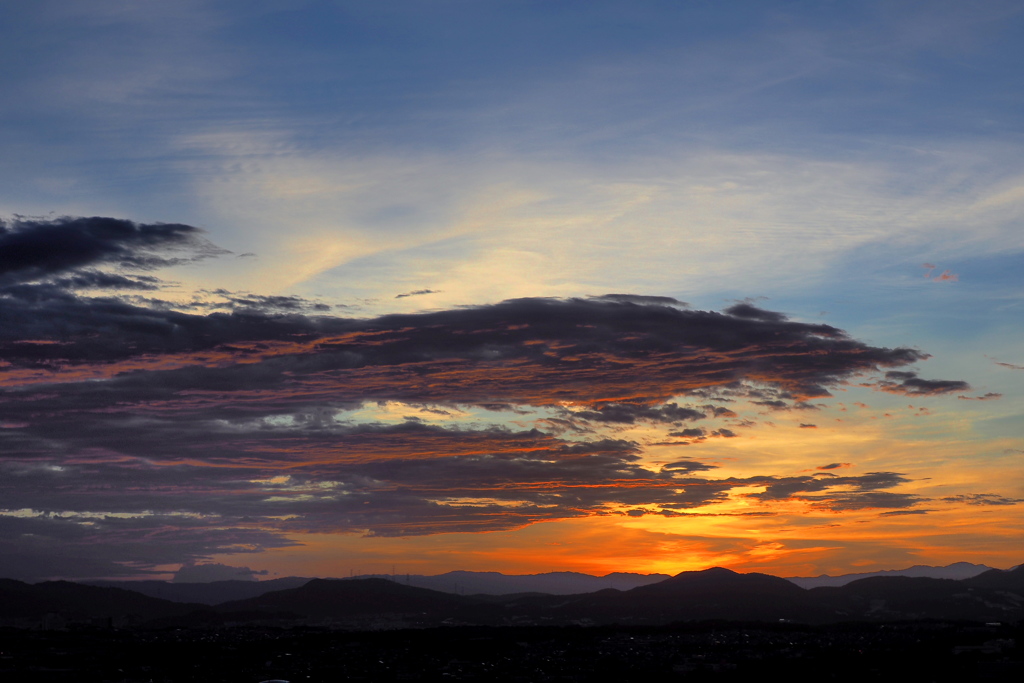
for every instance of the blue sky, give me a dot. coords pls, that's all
(816, 134)
(807, 157)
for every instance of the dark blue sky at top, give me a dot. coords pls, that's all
(595, 76)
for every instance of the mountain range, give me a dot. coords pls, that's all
(496, 583)
(993, 595)
(957, 570)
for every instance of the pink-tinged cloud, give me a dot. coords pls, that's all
(944, 276)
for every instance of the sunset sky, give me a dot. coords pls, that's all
(322, 287)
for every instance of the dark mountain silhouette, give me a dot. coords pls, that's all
(995, 595)
(211, 593)
(348, 598)
(77, 602)
(997, 579)
(712, 594)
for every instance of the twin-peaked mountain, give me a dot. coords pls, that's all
(716, 593)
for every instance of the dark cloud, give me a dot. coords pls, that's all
(418, 292)
(34, 249)
(774, 405)
(866, 500)
(625, 413)
(982, 499)
(854, 492)
(909, 384)
(900, 513)
(720, 411)
(746, 310)
(258, 303)
(528, 351)
(642, 299)
(990, 396)
(834, 466)
(87, 279)
(692, 433)
(688, 466)
(59, 332)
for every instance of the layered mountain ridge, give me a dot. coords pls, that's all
(712, 594)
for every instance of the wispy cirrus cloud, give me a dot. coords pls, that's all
(944, 276)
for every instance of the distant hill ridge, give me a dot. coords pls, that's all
(717, 593)
(496, 583)
(956, 571)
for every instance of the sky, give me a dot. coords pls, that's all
(323, 288)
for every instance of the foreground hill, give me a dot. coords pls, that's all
(995, 595)
(22, 604)
(344, 599)
(710, 594)
(996, 579)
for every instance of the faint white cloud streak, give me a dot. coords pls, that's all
(491, 226)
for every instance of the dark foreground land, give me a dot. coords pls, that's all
(719, 651)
